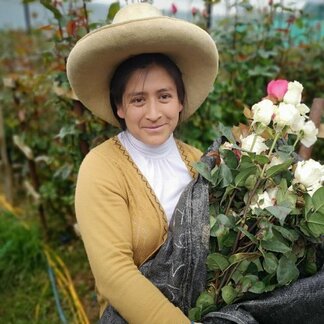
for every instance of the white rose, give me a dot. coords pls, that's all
(263, 111)
(309, 173)
(298, 124)
(293, 94)
(303, 109)
(312, 189)
(227, 146)
(275, 160)
(286, 115)
(265, 199)
(310, 132)
(254, 143)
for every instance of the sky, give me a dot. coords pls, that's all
(12, 14)
(188, 4)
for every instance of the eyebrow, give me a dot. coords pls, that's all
(140, 93)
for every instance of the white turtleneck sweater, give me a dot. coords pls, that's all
(162, 166)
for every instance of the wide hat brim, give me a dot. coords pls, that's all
(92, 62)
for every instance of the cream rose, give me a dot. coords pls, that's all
(309, 132)
(275, 160)
(254, 143)
(263, 111)
(303, 109)
(265, 199)
(309, 173)
(293, 94)
(287, 115)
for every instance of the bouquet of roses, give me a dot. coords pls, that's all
(266, 205)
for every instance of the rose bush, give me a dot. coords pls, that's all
(266, 206)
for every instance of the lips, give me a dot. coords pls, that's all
(153, 127)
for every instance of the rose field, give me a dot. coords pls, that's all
(45, 132)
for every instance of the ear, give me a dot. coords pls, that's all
(180, 107)
(120, 111)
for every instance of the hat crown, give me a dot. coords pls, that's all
(136, 11)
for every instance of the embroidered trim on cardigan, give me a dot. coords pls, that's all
(123, 150)
(186, 159)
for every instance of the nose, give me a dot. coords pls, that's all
(153, 112)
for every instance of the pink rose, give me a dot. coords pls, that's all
(194, 11)
(174, 9)
(277, 88)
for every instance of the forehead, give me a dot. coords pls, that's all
(152, 76)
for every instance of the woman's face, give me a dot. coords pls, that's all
(150, 105)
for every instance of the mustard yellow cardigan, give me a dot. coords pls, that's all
(122, 225)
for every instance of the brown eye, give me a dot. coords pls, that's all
(137, 101)
(165, 97)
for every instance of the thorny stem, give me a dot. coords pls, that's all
(270, 152)
(229, 203)
(86, 16)
(297, 140)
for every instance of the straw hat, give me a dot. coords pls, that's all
(141, 28)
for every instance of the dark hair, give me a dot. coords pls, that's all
(125, 70)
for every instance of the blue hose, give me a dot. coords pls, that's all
(56, 295)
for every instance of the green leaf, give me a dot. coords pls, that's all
(244, 174)
(230, 159)
(315, 223)
(280, 212)
(67, 131)
(227, 132)
(285, 149)
(252, 277)
(257, 287)
(217, 261)
(308, 204)
(221, 226)
(246, 162)
(277, 244)
(304, 228)
(278, 168)
(225, 175)
(258, 264)
(228, 294)
(289, 234)
(238, 257)
(228, 240)
(216, 176)
(266, 227)
(205, 299)
(246, 284)
(270, 262)
(243, 266)
(261, 159)
(236, 276)
(113, 9)
(195, 314)
(203, 169)
(287, 271)
(318, 200)
(251, 181)
(248, 234)
(286, 197)
(48, 5)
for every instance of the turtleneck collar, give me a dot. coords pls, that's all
(150, 151)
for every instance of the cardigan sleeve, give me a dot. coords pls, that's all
(105, 226)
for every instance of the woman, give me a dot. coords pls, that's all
(144, 73)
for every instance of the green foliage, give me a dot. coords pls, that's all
(47, 132)
(255, 47)
(20, 250)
